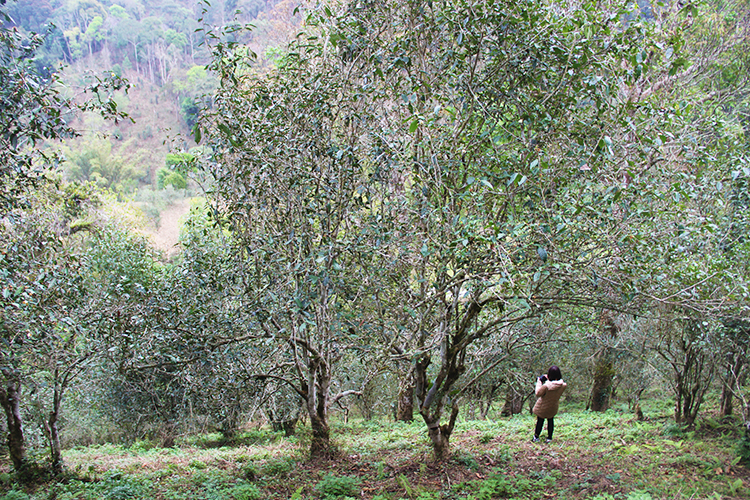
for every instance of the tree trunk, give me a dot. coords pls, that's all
(440, 434)
(490, 399)
(52, 431)
(432, 401)
(316, 402)
(604, 367)
(135, 57)
(726, 403)
(513, 402)
(10, 398)
(320, 447)
(440, 443)
(737, 335)
(289, 427)
(54, 444)
(284, 423)
(150, 57)
(694, 379)
(405, 403)
(602, 389)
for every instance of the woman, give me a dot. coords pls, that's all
(548, 390)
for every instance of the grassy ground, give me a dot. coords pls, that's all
(603, 456)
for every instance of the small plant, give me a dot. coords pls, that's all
(409, 490)
(743, 449)
(335, 487)
(735, 487)
(250, 471)
(143, 445)
(614, 477)
(15, 495)
(381, 471)
(639, 495)
(543, 479)
(244, 491)
(495, 486)
(123, 492)
(673, 430)
(119, 486)
(197, 464)
(486, 437)
(278, 467)
(690, 460)
(467, 459)
(503, 454)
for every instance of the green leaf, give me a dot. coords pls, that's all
(223, 127)
(542, 254)
(413, 126)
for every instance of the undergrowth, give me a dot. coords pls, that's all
(605, 456)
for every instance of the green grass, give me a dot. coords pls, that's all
(594, 455)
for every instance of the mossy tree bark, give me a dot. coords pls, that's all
(604, 366)
(405, 402)
(10, 398)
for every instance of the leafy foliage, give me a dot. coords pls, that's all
(35, 110)
(334, 487)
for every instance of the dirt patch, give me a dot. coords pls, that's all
(166, 236)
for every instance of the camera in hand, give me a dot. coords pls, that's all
(543, 378)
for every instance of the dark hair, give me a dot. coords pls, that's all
(554, 373)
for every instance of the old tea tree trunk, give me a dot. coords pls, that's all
(10, 398)
(316, 401)
(436, 397)
(435, 401)
(405, 403)
(604, 365)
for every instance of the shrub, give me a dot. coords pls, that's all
(123, 492)
(743, 449)
(244, 491)
(495, 486)
(15, 495)
(639, 495)
(119, 486)
(333, 487)
(486, 437)
(673, 430)
(467, 459)
(250, 471)
(197, 464)
(142, 445)
(166, 177)
(278, 467)
(503, 454)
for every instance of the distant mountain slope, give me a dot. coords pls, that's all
(158, 45)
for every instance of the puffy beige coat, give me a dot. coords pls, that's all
(548, 395)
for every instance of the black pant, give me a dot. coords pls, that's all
(540, 424)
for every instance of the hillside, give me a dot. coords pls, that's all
(160, 48)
